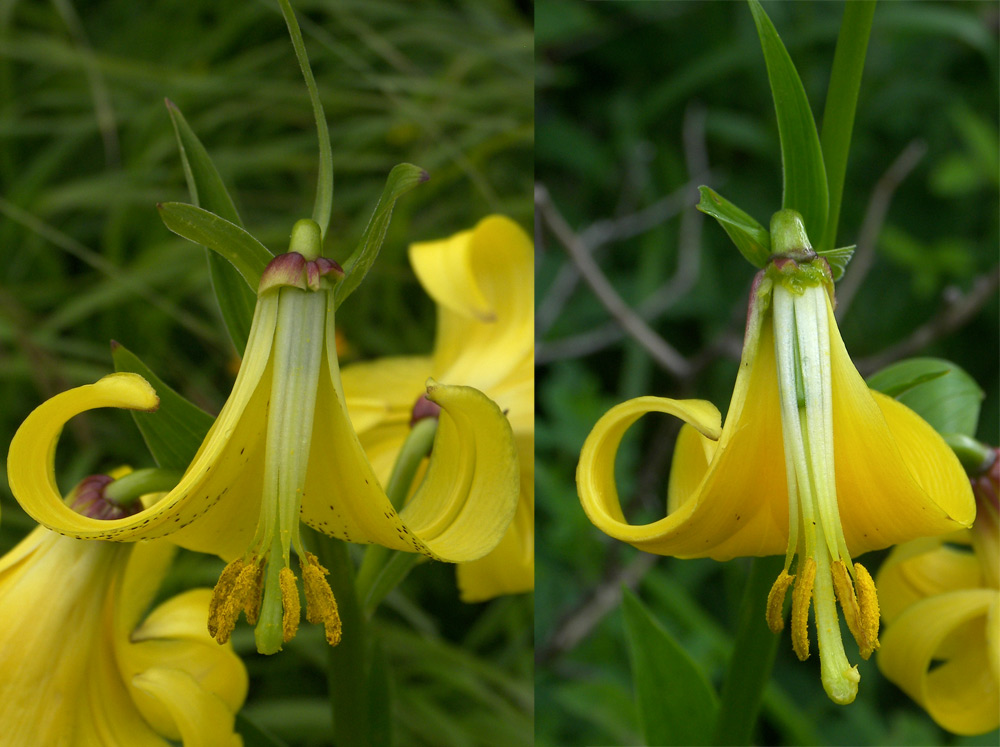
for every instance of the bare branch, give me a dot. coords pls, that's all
(659, 349)
(871, 226)
(956, 313)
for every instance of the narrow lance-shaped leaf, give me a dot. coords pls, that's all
(841, 102)
(402, 179)
(236, 301)
(247, 255)
(175, 431)
(804, 175)
(677, 705)
(750, 237)
(324, 182)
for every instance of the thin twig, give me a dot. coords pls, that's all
(688, 253)
(871, 226)
(659, 349)
(607, 231)
(955, 314)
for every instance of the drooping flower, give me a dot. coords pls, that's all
(810, 463)
(79, 665)
(483, 283)
(941, 607)
(283, 450)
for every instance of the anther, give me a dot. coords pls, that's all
(223, 588)
(776, 601)
(868, 603)
(321, 607)
(289, 603)
(801, 597)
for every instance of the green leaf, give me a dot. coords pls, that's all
(324, 181)
(805, 189)
(841, 103)
(838, 259)
(402, 179)
(677, 705)
(255, 735)
(236, 301)
(247, 255)
(750, 237)
(937, 390)
(175, 431)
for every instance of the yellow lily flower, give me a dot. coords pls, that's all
(78, 666)
(941, 607)
(483, 283)
(283, 449)
(810, 463)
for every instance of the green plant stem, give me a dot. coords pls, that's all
(752, 660)
(841, 103)
(136, 484)
(347, 665)
(324, 182)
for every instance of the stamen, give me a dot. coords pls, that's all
(251, 606)
(776, 601)
(221, 592)
(320, 603)
(868, 602)
(848, 601)
(801, 596)
(289, 603)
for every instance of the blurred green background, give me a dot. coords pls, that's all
(637, 103)
(87, 150)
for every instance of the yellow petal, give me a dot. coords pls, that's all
(510, 568)
(924, 568)
(896, 478)
(383, 392)
(962, 693)
(227, 470)
(202, 719)
(467, 498)
(483, 283)
(726, 501)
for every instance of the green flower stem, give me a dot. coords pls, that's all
(975, 457)
(324, 181)
(752, 659)
(380, 572)
(132, 486)
(347, 663)
(841, 102)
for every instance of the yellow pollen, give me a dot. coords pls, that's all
(221, 592)
(801, 597)
(776, 601)
(320, 603)
(848, 601)
(868, 602)
(289, 603)
(252, 600)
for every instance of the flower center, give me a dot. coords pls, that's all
(825, 573)
(261, 583)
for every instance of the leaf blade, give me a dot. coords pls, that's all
(246, 254)
(750, 237)
(803, 172)
(677, 705)
(402, 178)
(236, 301)
(175, 431)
